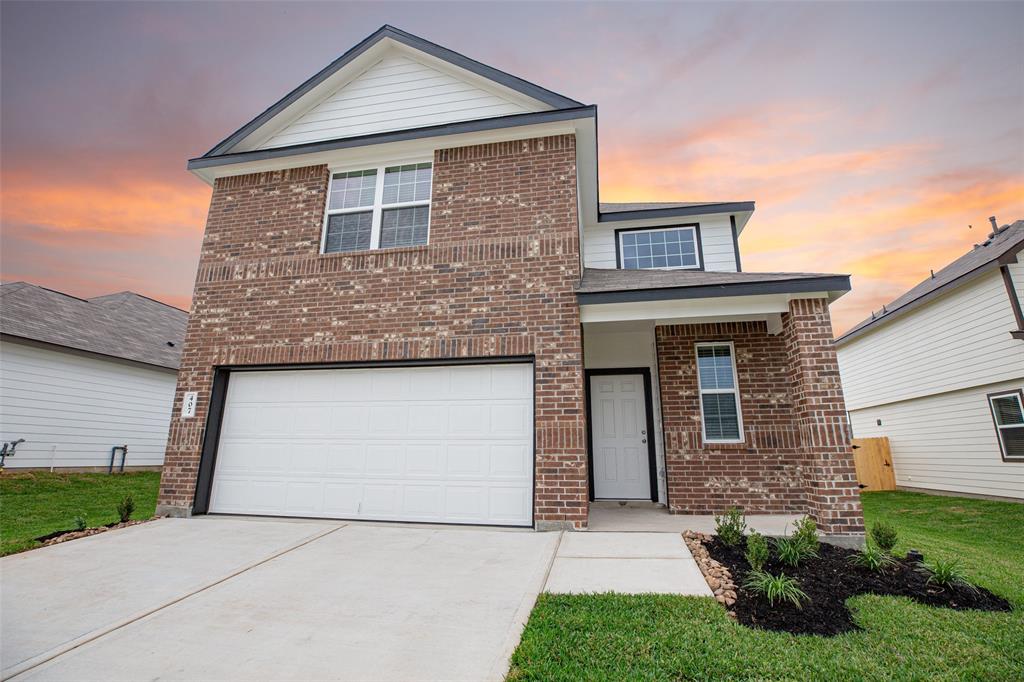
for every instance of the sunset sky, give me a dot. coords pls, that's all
(870, 135)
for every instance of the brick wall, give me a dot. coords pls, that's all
(495, 280)
(796, 457)
(762, 475)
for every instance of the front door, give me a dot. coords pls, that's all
(620, 442)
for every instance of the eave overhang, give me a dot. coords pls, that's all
(833, 286)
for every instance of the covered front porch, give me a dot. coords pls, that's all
(712, 390)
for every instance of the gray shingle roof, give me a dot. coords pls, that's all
(123, 325)
(1008, 240)
(607, 286)
(598, 280)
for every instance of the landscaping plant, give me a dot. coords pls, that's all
(873, 559)
(775, 588)
(757, 550)
(80, 522)
(806, 533)
(731, 526)
(946, 574)
(125, 508)
(884, 535)
(792, 550)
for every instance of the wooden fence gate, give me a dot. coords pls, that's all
(873, 460)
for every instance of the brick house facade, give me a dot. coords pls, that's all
(521, 264)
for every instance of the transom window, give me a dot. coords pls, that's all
(378, 208)
(719, 394)
(664, 247)
(1008, 414)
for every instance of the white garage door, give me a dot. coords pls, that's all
(447, 444)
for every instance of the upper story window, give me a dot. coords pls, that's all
(658, 248)
(378, 208)
(1008, 414)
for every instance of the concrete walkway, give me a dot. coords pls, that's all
(610, 516)
(629, 563)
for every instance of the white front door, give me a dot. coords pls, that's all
(446, 444)
(618, 422)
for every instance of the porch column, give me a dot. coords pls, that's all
(833, 497)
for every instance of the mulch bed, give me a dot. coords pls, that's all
(829, 580)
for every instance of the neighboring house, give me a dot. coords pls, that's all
(410, 305)
(81, 376)
(940, 372)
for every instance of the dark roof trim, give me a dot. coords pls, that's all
(793, 286)
(71, 350)
(512, 121)
(918, 302)
(508, 80)
(647, 214)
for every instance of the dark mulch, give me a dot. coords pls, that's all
(829, 580)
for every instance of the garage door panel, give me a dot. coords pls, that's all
(443, 444)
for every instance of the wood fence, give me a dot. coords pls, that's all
(873, 460)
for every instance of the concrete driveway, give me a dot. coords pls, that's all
(241, 599)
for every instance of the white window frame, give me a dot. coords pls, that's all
(378, 206)
(992, 397)
(693, 228)
(735, 390)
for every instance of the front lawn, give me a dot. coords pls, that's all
(662, 637)
(33, 504)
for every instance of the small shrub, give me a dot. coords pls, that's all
(806, 533)
(125, 508)
(884, 535)
(946, 574)
(731, 526)
(80, 522)
(775, 588)
(757, 551)
(873, 559)
(791, 550)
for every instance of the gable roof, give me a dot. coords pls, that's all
(617, 286)
(123, 325)
(1000, 247)
(536, 92)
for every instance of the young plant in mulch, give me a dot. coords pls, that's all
(757, 554)
(829, 575)
(885, 536)
(731, 526)
(125, 508)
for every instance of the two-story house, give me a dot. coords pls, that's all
(939, 371)
(412, 306)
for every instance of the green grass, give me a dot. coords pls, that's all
(35, 503)
(662, 637)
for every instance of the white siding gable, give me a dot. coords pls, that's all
(715, 237)
(959, 340)
(71, 409)
(396, 93)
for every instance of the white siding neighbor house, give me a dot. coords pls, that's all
(79, 377)
(940, 372)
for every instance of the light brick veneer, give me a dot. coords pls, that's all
(495, 280)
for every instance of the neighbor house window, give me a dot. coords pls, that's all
(378, 208)
(1008, 414)
(719, 395)
(663, 247)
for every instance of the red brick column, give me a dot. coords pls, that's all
(820, 417)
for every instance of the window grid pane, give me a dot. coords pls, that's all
(721, 419)
(407, 183)
(1013, 441)
(715, 366)
(353, 190)
(348, 232)
(1007, 410)
(404, 226)
(660, 249)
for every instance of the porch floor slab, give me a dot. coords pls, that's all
(628, 563)
(606, 517)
